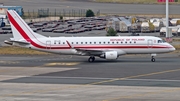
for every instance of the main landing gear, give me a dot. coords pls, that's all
(91, 59)
(152, 57)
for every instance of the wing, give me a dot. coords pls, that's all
(85, 51)
(89, 52)
(94, 52)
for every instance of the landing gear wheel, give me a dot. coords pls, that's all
(153, 60)
(91, 59)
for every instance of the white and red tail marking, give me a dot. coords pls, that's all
(21, 31)
(19, 27)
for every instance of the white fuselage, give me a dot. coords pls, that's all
(129, 45)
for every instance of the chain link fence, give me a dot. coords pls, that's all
(40, 13)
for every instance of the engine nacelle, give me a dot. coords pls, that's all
(111, 55)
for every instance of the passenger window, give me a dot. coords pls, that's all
(76, 42)
(117, 42)
(57, 42)
(104, 42)
(94, 42)
(89, 42)
(81, 42)
(71, 42)
(99, 42)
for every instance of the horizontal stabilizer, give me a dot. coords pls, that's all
(11, 42)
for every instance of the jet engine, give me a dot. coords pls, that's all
(111, 55)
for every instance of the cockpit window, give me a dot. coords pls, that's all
(161, 41)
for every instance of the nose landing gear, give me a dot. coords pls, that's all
(152, 57)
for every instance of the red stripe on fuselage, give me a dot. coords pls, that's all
(119, 46)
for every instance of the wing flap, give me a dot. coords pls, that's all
(91, 50)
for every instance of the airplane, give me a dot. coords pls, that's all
(109, 48)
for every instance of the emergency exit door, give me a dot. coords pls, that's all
(48, 44)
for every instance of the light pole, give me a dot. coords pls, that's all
(167, 20)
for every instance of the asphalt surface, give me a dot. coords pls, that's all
(134, 68)
(111, 8)
(72, 78)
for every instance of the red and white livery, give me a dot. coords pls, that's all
(103, 47)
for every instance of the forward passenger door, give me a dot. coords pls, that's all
(150, 43)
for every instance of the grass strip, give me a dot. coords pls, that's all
(19, 51)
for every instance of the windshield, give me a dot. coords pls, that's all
(161, 41)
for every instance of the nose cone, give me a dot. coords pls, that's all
(172, 49)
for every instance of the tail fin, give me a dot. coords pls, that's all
(19, 27)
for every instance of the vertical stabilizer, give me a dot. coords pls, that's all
(19, 27)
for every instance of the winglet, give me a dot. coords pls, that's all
(69, 44)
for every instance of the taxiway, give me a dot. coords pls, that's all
(72, 78)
